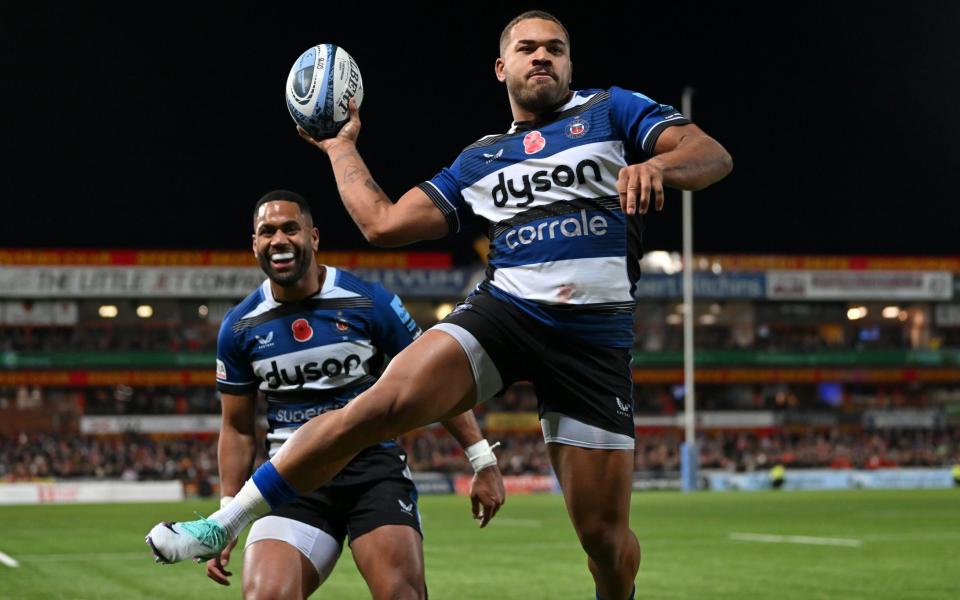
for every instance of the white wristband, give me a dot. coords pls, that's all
(481, 455)
(225, 501)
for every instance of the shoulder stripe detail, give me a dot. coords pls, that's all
(650, 140)
(297, 307)
(445, 206)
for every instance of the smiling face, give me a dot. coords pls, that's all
(284, 242)
(535, 64)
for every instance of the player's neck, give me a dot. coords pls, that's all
(521, 114)
(309, 284)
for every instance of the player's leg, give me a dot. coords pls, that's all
(390, 558)
(287, 559)
(586, 394)
(386, 540)
(428, 381)
(596, 488)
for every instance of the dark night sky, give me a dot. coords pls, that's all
(159, 129)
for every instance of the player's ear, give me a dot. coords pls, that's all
(253, 243)
(315, 239)
(498, 69)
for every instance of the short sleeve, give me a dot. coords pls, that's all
(640, 120)
(395, 329)
(444, 191)
(234, 373)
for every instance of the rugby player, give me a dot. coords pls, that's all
(311, 338)
(564, 189)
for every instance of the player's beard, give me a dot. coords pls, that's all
(301, 262)
(538, 98)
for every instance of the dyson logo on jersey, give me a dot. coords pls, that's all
(569, 227)
(311, 371)
(542, 181)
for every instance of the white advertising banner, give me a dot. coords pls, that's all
(151, 424)
(128, 282)
(859, 285)
(90, 491)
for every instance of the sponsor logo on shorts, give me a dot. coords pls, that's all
(407, 508)
(577, 128)
(623, 408)
(534, 142)
(221, 370)
(302, 331)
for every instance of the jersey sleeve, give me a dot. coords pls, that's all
(394, 328)
(444, 191)
(640, 120)
(234, 373)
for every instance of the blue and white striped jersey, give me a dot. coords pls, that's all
(310, 356)
(561, 249)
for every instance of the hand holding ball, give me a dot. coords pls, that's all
(319, 86)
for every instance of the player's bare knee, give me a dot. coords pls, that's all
(603, 543)
(270, 589)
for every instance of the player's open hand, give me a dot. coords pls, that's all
(348, 133)
(487, 494)
(217, 567)
(638, 186)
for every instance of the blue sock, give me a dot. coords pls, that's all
(275, 489)
(632, 592)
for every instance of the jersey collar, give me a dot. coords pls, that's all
(575, 100)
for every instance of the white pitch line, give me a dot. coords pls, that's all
(85, 557)
(795, 539)
(518, 522)
(7, 560)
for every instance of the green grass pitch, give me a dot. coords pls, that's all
(879, 544)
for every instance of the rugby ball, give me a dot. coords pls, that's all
(319, 85)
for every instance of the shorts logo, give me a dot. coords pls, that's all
(301, 330)
(533, 142)
(461, 307)
(221, 370)
(407, 508)
(577, 128)
(623, 409)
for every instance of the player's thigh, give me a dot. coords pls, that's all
(287, 558)
(431, 379)
(596, 485)
(275, 569)
(390, 558)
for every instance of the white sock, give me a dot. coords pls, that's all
(245, 507)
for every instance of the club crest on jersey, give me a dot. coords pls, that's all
(533, 142)
(301, 330)
(342, 326)
(577, 128)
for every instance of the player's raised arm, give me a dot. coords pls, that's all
(411, 219)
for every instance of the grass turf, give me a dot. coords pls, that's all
(908, 549)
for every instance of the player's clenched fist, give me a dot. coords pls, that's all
(637, 185)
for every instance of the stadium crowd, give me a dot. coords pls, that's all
(194, 458)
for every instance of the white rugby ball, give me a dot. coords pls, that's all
(319, 85)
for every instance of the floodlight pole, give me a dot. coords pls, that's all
(689, 455)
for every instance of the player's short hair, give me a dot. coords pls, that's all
(530, 14)
(287, 196)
